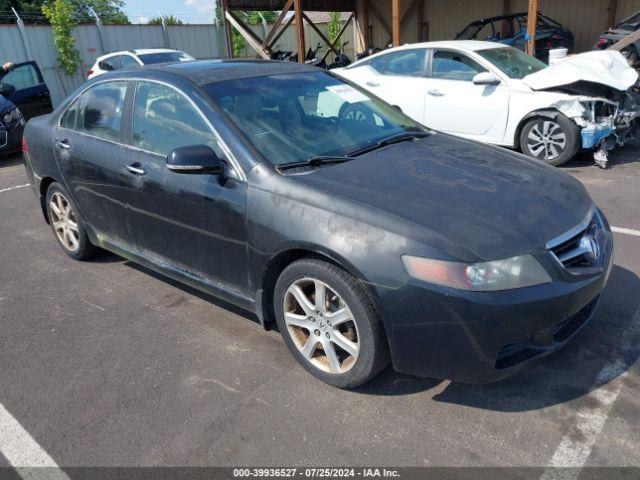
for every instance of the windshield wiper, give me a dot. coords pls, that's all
(314, 162)
(397, 138)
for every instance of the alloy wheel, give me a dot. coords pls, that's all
(321, 326)
(546, 140)
(64, 222)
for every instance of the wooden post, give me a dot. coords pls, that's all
(532, 20)
(420, 21)
(266, 44)
(365, 24)
(227, 27)
(297, 7)
(613, 12)
(395, 15)
(320, 34)
(506, 10)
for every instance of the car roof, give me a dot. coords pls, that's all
(204, 72)
(144, 51)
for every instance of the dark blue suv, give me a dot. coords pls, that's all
(23, 95)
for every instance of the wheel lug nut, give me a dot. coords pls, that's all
(317, 332)
(327, 335)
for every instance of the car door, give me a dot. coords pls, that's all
(193, 222)
(454, 104)
(31, 94)
(88, 149)
(399, 78)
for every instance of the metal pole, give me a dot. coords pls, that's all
(23, 35)
(99, 28)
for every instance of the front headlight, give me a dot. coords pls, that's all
(507, 274)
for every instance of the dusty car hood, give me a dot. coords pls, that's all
(605, 67)
(474, 198)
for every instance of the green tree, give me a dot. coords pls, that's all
(60, 14)
(168, 20)
(109, 11)
(333, 27)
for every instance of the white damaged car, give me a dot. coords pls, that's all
(496, 94)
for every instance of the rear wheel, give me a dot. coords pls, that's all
(552, 140)
(66, 224)
(329, 323)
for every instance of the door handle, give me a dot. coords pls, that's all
(373, 84)
(63, 144)
(135, 169)
(435, 93)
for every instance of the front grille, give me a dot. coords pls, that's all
(581, 247)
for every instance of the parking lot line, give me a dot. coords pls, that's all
(13, 188)
(626, 231)
(24, 453)
(575, 448)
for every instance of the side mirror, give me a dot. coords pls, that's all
(106, 66)
(195, 159)
(7, 89)
(486, 78)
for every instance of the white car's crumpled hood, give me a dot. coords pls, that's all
(605, 67)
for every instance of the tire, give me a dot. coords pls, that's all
(347, 318)
(68, 228)
(552, 140)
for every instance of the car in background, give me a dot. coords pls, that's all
(135, 58)
(511, 30)
(23, 95)
(365, 242)
(497, 94)
(622, 30)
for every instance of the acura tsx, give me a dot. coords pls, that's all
(363, 238)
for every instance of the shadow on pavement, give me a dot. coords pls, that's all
(611, 338)
(10, 160)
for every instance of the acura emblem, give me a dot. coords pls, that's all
(589, 246)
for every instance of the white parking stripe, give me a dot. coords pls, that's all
(13, 188)
(575, 448)
(626, 231)
(24, 453)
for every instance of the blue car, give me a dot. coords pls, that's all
(23, 95)
(512, 30)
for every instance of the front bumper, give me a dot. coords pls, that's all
(481, 337)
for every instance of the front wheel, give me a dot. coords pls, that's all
(329, 323)
(552, 140)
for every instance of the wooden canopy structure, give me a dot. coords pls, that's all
(392, 16)
(263, 46)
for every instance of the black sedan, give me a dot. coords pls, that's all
(362, 236)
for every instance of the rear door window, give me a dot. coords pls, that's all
(99, 110)
(403, 63)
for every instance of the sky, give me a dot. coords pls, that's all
(189, 11)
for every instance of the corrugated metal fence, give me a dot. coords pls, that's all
(201, 41)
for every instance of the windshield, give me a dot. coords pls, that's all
(512, 62)
(295, 117)
(164, 57)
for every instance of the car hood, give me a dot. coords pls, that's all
(468, 200)
(604, 67)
